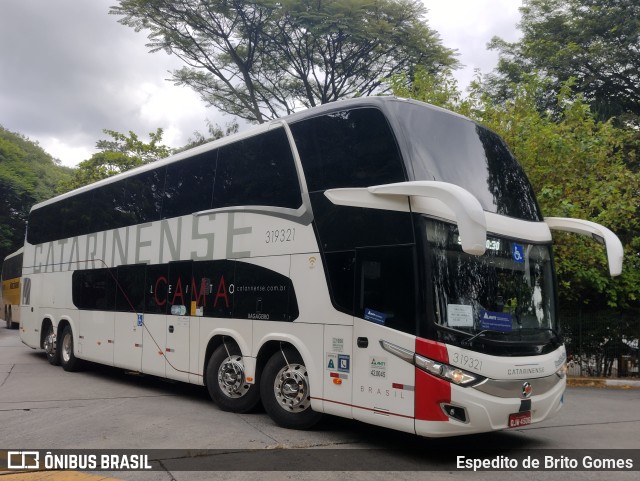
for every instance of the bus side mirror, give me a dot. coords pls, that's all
(468, 212)
(463, 206)
(598, 232)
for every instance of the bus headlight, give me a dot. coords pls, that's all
(447, 372)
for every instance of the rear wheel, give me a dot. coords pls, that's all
(68, 360)
(285, 391)
(227, 383)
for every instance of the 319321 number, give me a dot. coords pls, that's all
(466, 361)
(280, 236)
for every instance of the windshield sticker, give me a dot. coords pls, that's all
(495, 321)
(517, 252)
(459, 315)
(375, 316)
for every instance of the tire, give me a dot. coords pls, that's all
(285, 391)
(226, 380)
(50, 346)
(68, 359)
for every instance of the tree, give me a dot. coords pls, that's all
(578, 167)
(119, 154)
(28, 175)
(263, 58)
(215, 132)
(596, 42)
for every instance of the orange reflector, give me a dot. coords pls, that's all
(249, 379)
(337, 380)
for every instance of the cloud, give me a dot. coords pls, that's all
(70, 70)
(468, 25)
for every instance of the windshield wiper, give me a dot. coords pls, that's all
(481, 333)
(472, 337)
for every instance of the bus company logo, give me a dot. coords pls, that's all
(23, 460)
(527, 390)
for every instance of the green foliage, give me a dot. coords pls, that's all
(260, 59)
(595, 42)
(578, 166)
(215, 132)
(27, 175)
(119, 154)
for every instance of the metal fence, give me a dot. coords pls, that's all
(601, 344)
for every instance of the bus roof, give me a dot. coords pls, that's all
(377, 101)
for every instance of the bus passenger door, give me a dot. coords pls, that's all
(178, 320)
(154, 333)
(384, 383)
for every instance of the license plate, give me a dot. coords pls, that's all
(519, 419)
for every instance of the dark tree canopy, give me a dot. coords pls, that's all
(597, 42)
(261, 59)
(27, 175)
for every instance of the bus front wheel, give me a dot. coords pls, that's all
(226, 380)
(68, 360)
(285, 392)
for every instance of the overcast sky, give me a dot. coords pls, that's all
(68, 70)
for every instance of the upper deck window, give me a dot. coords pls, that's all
(350, 148)
(259, 170)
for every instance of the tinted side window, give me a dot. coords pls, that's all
(67, 218)
(340, 271)
(259, 170)
(12, 268)
(189, 185)
(156, 286)
(263, 294)
(93, 290)
(386, 287)
(143, 197)
(213, 287)
(130, 288)
(109, 208)
(352, 148)
(179, 289)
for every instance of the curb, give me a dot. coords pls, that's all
(603, 383)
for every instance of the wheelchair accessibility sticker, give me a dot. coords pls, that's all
(517, 252)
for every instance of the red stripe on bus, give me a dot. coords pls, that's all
(430, 390)
(432, 349)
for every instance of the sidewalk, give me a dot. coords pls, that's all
(619, 383)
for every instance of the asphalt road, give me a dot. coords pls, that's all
(43, 407)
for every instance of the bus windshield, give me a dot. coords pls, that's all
(505, 296)
(450, 148)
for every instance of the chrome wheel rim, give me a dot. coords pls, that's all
(291, 388)
(49, 343)
(67, 346)
(231, 377)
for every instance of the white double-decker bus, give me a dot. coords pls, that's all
(378, 259)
